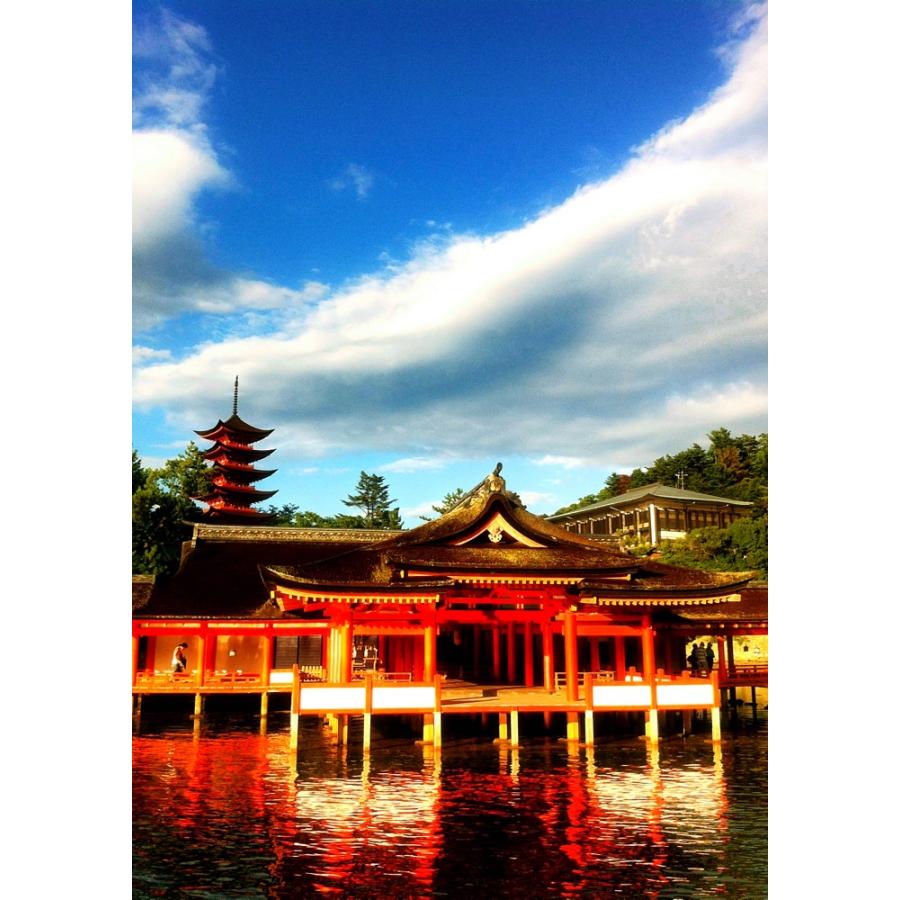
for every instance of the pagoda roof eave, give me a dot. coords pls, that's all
(226, 451)
(235, 424)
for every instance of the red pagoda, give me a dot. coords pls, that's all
(233, 455)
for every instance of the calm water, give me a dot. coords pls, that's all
(223, 813)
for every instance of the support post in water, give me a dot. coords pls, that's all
(502, 729)
(716, 711)
(295, 708)
(367, 715)
(264, 704)
(514, 727)
(436, 719)
(572, 729)
(428, 728)
(198, 705)
(589, 708)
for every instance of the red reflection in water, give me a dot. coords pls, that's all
(236, 813)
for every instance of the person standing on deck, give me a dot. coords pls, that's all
(701, 660)
(710, 657)
(179, 659)
(694, 660)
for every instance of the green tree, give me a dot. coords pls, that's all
(161, 505)
(372, 498)
(285, 515)
(741, 547)
(187, 475)
(735, 467)
(309, 519)
(451, 498)
(138, 474)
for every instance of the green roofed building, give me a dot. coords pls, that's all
(655, 512)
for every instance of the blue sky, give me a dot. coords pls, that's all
(431, 236)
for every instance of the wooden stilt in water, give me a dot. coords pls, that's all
(263, 704)
(198, 705)
(502, 727)
(436, 740)
(589, 705)
(548, 719)
(367, 713)
(753, 700)
(572, 729)
(428, 728)
(514, 728)
(295, 709)
(716, 724)
(687, 721)
(651, 725)
(137, 703)
(589, 727)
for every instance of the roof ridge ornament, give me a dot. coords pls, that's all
(234, 411)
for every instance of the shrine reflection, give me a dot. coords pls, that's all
(414, 821)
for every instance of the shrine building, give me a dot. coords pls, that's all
(652, 513)
(509, 609)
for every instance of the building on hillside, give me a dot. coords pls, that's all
(488, 593)
(652, 513)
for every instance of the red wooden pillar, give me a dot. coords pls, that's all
(595, 653)
(570, 634)
(209, 656)
(135, 642)
(648, 654)
(547, 636)
(201, 658)
(495, 646)
(430, 652)
(620, 658)
(346, 663)
(529, 655)
(382, 651)
(511, 653)
(720, 646)
(266, 667)
(730, 642)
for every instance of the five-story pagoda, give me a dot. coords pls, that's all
(233, 455)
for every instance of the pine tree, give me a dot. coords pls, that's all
(372, 498)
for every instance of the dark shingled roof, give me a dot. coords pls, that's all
(236, 424)
(141, 589)
(430, 547)
(224, 571)
(753, 609)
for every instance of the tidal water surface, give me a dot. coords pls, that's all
(225, 811)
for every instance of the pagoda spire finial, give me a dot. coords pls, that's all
(235, 394)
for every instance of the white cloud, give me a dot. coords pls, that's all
(174, 162)
(422, 510)
(532, 498)
(355, 176)
(170, 169)
(414, 464)
(622, 320)
(143, 355)
(562, 462)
